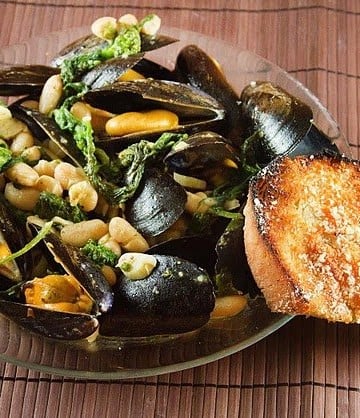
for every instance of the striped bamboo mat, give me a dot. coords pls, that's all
(306, 369)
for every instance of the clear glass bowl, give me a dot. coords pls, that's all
(118, 358)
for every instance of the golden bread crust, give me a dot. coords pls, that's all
(302, 236)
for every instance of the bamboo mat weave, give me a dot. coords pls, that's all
(306, 369)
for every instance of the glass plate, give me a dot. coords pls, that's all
(115, 358)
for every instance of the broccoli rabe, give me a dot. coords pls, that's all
(99, 254)
(50, 205)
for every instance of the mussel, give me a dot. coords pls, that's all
(194, 109)
(91, 43)
(202, 151)
(62, 305)
(284, 123)
(13, 237)
(24, 79)
(196, 67)
(176, 297)
(157, 204)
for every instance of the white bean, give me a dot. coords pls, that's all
(79, 233)
(21, 173)
(109, 242)
(68, 174)
(126, 235)
(83, 194)
(21, 141)
(31, 154)
(51, 94)
(24, 198)
(44, 167)
(49, 184)
(136, 266)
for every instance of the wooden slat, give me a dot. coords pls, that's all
(308, 368)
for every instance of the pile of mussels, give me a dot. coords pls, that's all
(154, 163)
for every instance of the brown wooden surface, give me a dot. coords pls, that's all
(309, 367)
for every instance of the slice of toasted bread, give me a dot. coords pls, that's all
(302, 236)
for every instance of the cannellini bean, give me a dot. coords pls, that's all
(83, 194)
(128, 19)
(126, 235)
(79, 233)
(109, 274)
(190, 182)
(45, 167)
(31, 154)
(51, 94)
(198, 202)
(97, 117)
(4, 113)
(68, 174)
(49, 184)
(109, 242)
(21, 141)
(136, 266)
(24, 198)
(151, 25)
(105, 27)
(152, 120)
(21, 173)
(10, 127)
(227, 306)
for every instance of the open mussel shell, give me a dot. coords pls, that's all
(200, 150)
(109, 71)
(13, 236)
(196, 110)
(157, 204)
(44, 127)
(146, 94)
(231, 261)
(84, 270)
(51, 324)
(91, 43)
(281, 120)
(24, 79)
(176, 297)
(196, 67)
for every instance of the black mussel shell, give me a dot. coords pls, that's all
(231, 262)
(195, 66)
(283, 122)
(91, 43)
(13, 233)
(109, 71)
(24, 79)
(151, 69)
(43, 127)
(157, 204)
(197, 249)
(176, 297)
(200, 150)
(146, 94)
(51, 324)
(84, 270)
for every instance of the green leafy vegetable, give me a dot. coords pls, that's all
(127, 42)
(42, 233)
(5, 158)
(50, 205)
(100, 254)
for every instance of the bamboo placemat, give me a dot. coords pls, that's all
(307, 368)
